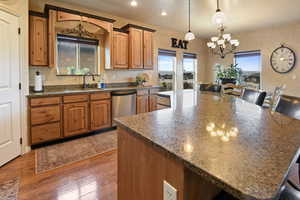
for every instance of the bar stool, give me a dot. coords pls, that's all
(290, 106)
(254, 96)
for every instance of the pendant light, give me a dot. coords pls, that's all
(219, 17)
(189, 35)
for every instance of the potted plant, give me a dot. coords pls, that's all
(228, 74)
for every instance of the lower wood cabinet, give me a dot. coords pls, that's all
(100, 114)
(76, 118)
(142, 104)
(152, 103)
(46, 132)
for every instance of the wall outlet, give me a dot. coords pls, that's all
(170, 193)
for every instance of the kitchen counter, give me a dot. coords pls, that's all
(240, 147)
(64, 91)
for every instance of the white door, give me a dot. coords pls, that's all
(10, 131)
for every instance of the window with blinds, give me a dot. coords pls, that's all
(189, 70)
(250, 64)
(166, 69)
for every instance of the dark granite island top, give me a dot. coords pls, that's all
(241, 147)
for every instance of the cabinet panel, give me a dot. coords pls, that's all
(38, 41)
(100, 96)
(148, 49)
(120, 50)
(100, 114)
(63, 16)
(142, 104)
(44, 133)
(135, 48)
(45, 101)
(76, 98)
(42, 115)
(152, 103)
(75, 118)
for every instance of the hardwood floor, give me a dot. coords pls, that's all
(91, 179)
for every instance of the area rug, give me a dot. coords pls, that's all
(57, 155)
(9, 189)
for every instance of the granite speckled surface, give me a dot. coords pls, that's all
(251, 162)
(65, 91)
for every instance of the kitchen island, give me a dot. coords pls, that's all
(204, 144)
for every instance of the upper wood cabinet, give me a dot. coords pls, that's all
(148, 49)
(135, 48)
(38, 36)
(76, 118)
(120, 50)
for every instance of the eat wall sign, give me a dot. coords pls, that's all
(181, 44)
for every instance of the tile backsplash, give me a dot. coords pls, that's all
(113, 76)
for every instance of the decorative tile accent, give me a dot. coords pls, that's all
(54, 156)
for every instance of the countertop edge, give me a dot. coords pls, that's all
(209, 177)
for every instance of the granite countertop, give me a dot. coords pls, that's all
(241, 147)
(62, 91)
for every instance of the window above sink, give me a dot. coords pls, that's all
(77, 56)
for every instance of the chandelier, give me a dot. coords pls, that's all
(222, 44)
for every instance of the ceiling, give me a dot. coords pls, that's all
(242, 15)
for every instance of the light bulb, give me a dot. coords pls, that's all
(219, 18)
(214, 39)
(133, 3)
(210, 44)
(227, 37)
(220, 42)
(189, 36)
(163, 13)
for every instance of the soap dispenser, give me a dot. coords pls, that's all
(38, 82)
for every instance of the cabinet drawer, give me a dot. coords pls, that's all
(166, 101)
(154, 91)
(44, 101)
(100, 96)
(76, 98)
(42, 115)
(142, 92)
(44, 133)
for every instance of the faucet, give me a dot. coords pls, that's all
(85, 85)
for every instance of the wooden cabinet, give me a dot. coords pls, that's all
(100, 114)
(120, 50)
(76, 118)
(135, 48)
(46, 132)
(152, 103)
(47, 114)
(38, 37)
(148, 49)
(142, 104)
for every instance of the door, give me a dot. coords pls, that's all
(148, 50)
(120, 48)
(135, 48)
(100, 114)
(10, 131)
(75, 118)
(142, 104)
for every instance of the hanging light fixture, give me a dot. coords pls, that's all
(189, 35)
(222, 44)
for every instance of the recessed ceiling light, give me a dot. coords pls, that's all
(163, 13)
(133, 3)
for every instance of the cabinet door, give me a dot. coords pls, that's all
(152, 103)
(120, 50)
(148, 50)
(100, 114)
(75, 118)
(142, 104)
(38, 41)
(135, 48)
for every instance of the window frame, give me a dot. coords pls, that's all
(260, 67)
(79, 40)
(195, 71)
(173, 55)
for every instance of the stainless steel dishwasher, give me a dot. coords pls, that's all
(123, 103)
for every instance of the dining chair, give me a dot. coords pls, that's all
(209, 87)
(254, 96)
(232, 89)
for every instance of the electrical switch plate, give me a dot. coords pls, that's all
(170, 193)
